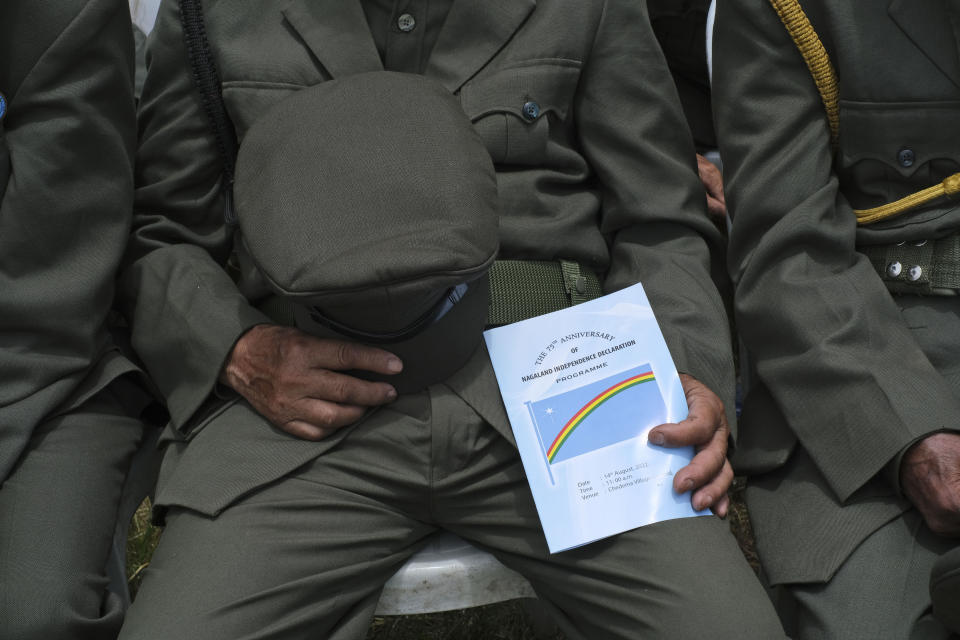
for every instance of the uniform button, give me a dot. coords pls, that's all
(906, 157)
(580, 284)
(914, 273)
(406, 22)
(894, 269)
(531, 110)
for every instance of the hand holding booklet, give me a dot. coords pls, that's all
(583, 386)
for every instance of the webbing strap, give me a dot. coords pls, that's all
(921, 268)
(574, 282)
(521, 289)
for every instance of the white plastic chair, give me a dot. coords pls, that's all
(143, 13)
(448, 574)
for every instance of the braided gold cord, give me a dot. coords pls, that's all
(824, 76)
(815, 55)
(949, 187)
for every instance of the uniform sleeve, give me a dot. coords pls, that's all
(185, 311)
(633, 134)
(67, 142)
(825, 335)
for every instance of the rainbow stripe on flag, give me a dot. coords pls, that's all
(589, 408)
(598, 414)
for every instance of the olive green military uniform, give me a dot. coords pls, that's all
(847, 374)
(271, 536)
(66, 189)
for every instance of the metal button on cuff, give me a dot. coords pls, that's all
(894, 269)
(906, 157)
(914, 273)
(406, 22)
(531, 110)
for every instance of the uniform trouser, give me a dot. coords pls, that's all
(58, 511)
(880, 591)
(306, 556)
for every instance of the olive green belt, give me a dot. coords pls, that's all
(519, 289)
(926, 267)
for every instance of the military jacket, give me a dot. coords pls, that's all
(602, 172)
(846, 374)
(66, 192)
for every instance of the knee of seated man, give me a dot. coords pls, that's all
(59, 607)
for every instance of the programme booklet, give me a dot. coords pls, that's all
(583, 386)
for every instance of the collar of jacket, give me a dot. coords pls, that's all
(939, 39)
(338, 35)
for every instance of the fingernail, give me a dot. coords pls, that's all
(394, 365)
(703, 502)
(656, 438)
(392, 393)
(687, 484)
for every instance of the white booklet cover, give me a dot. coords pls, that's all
(583, 386)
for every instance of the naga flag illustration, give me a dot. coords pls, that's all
(598, 414)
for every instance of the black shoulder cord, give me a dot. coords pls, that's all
(205, 76)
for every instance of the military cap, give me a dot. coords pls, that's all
(370, 203)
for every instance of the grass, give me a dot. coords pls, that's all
(142, 538)
(739, 520)
(511, 620)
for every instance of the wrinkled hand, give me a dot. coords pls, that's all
(291, 378)
(930, 478)
(709, 473)
(712, 181)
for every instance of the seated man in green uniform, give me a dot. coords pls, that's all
(68, 405)
(846, 297)
(292, 490)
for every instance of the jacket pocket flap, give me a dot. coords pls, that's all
(247, 101)
(881, 131)
(549, 83)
